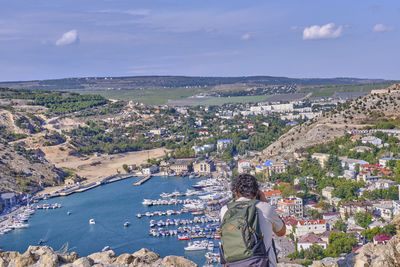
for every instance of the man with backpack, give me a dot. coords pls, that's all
(247, 227)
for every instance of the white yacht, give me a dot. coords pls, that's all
(196, 245)
(92, 221)
(19, 225)
(147, 202)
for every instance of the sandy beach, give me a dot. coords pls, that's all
(97, 167)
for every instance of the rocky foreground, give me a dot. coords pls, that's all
(45, 256)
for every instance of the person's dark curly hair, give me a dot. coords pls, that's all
(245, 184)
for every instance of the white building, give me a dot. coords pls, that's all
(244, 166)
(308, 240)
(150, 170)
(310, 226)
(290, 206)
(371, 140)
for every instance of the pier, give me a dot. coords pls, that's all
(143, 180)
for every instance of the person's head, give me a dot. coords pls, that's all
(245, 185)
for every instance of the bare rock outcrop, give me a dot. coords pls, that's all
(45, 256)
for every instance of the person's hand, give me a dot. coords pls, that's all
(261, 196)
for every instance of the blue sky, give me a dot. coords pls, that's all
(309, 38)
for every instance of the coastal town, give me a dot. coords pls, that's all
(345, 191)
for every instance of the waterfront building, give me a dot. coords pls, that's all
(204, 167)
(7, 200)
(180, 167)
(290, 206)
(150, 170)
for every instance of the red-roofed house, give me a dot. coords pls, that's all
(308, 240)
(250, 126)
(310, 226)
(381, 239)
(273, 196)
(290, 224)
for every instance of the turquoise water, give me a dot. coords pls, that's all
(110, 205)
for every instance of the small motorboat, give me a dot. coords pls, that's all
(92, 221)
(41, 241)
(106, 248)
(69, 213)
(126, 224)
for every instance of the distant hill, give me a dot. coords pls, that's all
(143, 82)
(380, 108)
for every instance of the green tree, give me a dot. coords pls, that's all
(126, 168)
(363, 219)
(313, 214)
(340, 243)
(314, 252)
(286, 189)
(340, 225)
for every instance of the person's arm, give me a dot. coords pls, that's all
(282, 232)
(277, 222)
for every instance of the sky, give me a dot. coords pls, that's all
(48, 39)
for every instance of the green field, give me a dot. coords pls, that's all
(235, 99)
(153, 96)
(329, 90)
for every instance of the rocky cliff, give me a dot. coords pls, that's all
(45, 256)
(381, 105)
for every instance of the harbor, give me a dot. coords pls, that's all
(113, 205)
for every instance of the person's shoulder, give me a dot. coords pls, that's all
(264, 206)
(223, 209)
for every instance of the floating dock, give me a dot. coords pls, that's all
(142, 181)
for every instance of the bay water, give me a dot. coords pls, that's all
(110, 206)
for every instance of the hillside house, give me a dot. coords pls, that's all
(381, 239)
(273, 196)
(384, 161)
(290, 206)
(327, 193)
(350, 164)
(307, 241)
(269, 167)
(310, 226)
(351, 208)
(244, 166)
(322, 158)
(371, 140)
(224, 143)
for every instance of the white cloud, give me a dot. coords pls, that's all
(381, 28)
(327, 31)
(68, 38)
(245, 36)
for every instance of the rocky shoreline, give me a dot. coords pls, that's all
(45, 256)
